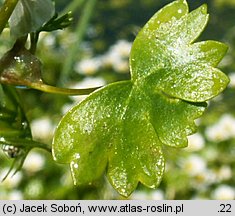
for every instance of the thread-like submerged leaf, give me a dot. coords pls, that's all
(123, 126)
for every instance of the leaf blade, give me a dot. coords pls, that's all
(198, 83)
(208, 52)
(128, 123)
(144, 42)
(29, 16)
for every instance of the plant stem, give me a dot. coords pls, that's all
(73, 6)
(24, 143)
(6, 11)
(80, 32)
(33, 41)
(65, 91)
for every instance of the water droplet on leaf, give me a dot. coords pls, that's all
(180, 11)
(11, 151)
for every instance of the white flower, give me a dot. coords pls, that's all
(10, 181)
(210, 153)
(157, 195)
(224, 173)
(194, 165)
(232, 80)
(139, 195)
(117, 56)
(223, 192)
(34, 189)
(34, 162)
(42, 128)
(15, 195)
(48, 39)
(111, 58)
(117, 62)
(195, 142)
(88, 66)
(214, 133)
(204, 179)
(223, 130)
(122, 48)
(143, 195)
(88, 82)
(121, 66)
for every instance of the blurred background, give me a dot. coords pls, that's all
(94, 51)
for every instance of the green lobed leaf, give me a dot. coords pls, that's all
(122, 127)
(29, 16)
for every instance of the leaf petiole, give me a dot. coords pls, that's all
(65, 91)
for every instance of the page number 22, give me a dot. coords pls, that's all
(225, 208)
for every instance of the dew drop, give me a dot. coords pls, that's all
(24, 125)
(123, 191)
(17, 59)
(77, 156)
(11, 151)
(180, 11)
